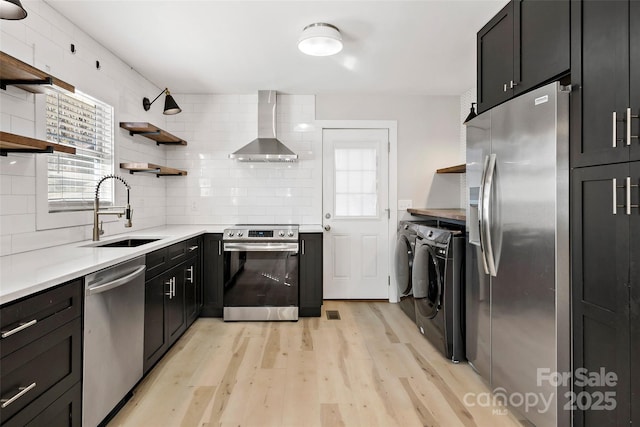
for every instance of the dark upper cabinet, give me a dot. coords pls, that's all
(525, 45)
(310, 274)
(495, 59)
(212, 280)
(605, 69)
(601, 254)
(634, 77)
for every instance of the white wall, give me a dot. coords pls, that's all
(216, 190)
(219, 190)
(428, 139)
(465, 104)
(43, 40)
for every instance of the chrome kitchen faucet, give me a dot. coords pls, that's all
(126, 210)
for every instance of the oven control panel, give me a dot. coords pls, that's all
(262, 233)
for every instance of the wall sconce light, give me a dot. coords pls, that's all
(12, 9)
(320, 39)
(471, 115)
(170, 105)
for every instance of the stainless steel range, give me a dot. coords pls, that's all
(260, 272)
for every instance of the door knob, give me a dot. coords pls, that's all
(327, 227)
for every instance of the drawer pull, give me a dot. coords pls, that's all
(21, 392)
(22, 326)
(193, 248)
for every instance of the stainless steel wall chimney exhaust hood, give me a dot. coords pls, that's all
(266, 147)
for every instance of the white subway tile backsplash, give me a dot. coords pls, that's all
(231, 192)
(43, 40)
(14, 205)
(23, 185)
(14, 224)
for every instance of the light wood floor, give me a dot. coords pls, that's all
(371, 368)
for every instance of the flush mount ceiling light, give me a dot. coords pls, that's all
(170, 105)
(12, 9)
(320, 39)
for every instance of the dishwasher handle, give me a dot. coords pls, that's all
(117, 282)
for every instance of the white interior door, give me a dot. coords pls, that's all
(356, 213)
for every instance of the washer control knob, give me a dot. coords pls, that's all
(281, 233)
(240, 233)
(431, 234)
(290, 233)
(230, 234)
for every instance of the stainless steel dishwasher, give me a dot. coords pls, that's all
(113, 337)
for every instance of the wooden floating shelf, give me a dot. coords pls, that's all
(11, 143)
(451, 214)
(152, 132)
(151, 168)
(453, 169)
(27, 77)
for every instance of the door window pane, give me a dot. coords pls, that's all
(356, 187)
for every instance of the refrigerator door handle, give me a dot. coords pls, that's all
(486, 212)
(481, 222)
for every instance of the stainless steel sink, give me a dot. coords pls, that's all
(125, 243)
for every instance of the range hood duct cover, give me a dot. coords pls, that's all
(266, 147)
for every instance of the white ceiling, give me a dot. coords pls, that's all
(210, 46)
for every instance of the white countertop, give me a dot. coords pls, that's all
(29, 272)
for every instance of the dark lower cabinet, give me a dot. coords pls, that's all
(172, 297)
(175, 319)
(193, 280)
(213, 275)
(310, 274)
(155, 335)
(64, 412)
(605, 283)
(41, 363)
(634, 280)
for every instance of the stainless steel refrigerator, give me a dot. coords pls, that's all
(517, 288)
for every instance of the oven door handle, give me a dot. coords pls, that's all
(261, 247)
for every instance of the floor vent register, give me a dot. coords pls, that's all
(333, 315)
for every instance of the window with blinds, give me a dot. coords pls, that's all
(86, 124)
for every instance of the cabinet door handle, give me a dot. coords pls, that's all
(627, 196)
(615, 195)
(614, 126)
(219, 247)
(629, 117)
(629, 187)
(190, 278)
(504, 88)
(628, 201)
(22, 327)
(21, 392)
(170, 283)
(173, 286)
(303, 247)
(193, 248)
(512, 84)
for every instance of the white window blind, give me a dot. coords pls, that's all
(85, 123)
